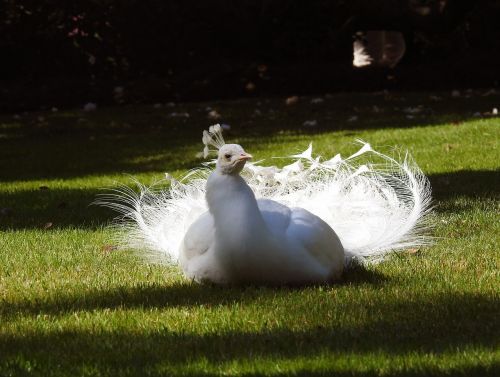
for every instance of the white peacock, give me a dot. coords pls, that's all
(243, 222)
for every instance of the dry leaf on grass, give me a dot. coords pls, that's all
(250, 87)
(106, 249)
(6, 211)
(213, 115)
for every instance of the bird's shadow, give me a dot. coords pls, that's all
(359, 274)
(398, 326)
(179, 294)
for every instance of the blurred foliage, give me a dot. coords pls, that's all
(132, 38)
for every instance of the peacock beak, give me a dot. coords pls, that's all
(245, 156)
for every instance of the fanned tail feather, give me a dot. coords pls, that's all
(373, 208)
(154, 221)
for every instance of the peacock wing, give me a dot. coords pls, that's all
(315, 236)
(276, 216)
(199, 237)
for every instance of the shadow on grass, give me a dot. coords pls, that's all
(70, 207)
(140, 139)
(176, 295)
(466, 371)
(63, 157)
(438, 324)
(62, 208)
(470, 183)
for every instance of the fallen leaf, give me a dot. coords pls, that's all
(118, 93)
(448, 147)
(413, 110)
(444, 180)
(213, 115)
(292, 100)
(315, 101)
(310, 123)
(262, 68)
(6, 211)
(250, 86)
(106, 249)
(179, 115)
(489, 93)
(62, 205)
(90, 107)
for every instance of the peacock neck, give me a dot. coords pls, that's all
(232, 203)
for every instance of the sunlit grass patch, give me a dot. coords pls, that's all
(72, 304)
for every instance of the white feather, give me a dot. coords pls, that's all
(374, 208)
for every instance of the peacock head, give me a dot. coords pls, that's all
(232, 158)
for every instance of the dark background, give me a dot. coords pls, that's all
(66, 53)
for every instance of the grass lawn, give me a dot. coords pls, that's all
(71, 305)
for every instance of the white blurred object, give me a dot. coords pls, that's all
(316, 101)
(310, 123)
(413, 110)
(292, 100)
(178, 115)
(118, 93)
(91, 106)
(213, 115)
(379, 48)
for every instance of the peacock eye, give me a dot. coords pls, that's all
(227, 155)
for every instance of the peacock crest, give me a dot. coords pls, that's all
(212, 137)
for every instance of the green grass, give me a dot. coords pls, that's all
(70, 306)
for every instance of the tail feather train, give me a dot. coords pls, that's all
(374, 208)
